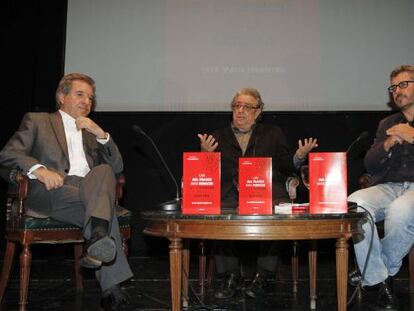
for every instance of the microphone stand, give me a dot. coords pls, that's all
(174, 204)
(362, 136)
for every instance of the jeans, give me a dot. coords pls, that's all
(393, 203)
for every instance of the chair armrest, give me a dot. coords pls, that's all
(23, 186)
(292, 182)
(8, 174)
(18, 185)
(119, 190)
(17, 190)
(23, 182)
(17, 182)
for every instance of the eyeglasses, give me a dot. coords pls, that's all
(401, 85)
(247, 107)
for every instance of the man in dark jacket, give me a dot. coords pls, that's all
(245, 137)
(390, 161)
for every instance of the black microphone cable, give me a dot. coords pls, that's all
(359, 286)
(200, 304)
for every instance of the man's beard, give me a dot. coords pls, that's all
(406, 106)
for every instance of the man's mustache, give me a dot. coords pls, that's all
(399, 96)
(398, 99)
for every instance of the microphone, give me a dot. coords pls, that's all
(362, 136)
(174, 204)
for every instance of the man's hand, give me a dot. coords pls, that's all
(403, 131)
(207, 142)
(391, 141)
(50, 179)
(90, 126)
(305, 147)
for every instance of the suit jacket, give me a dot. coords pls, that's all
(41, 139)
(379, 163)
(265, 141)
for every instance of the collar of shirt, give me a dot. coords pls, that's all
(68, 121)
(236, 130)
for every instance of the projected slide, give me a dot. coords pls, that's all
(192, 55)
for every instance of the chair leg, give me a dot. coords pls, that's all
(202, 267)
(25, 265)
(411, 269)
(312, 254)
(78, 250)
(185, 273)
(211, 269)
(295, 267)
(7, 267)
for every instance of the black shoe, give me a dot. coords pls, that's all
(354, 278)
(386, 298)
(257, 287)
(100, 249)
(114, 298)
(228, 287)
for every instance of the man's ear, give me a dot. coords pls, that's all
(60, 100)
(259, 114)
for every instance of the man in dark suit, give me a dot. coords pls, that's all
(390, 161)
(71, 163)
(245, 137)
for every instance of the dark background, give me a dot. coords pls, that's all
(33, 39)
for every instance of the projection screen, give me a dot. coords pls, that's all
(192, 55)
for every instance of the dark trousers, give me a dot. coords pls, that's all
(93, 195)
(228, 254)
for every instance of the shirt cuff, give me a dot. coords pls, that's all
(103, 141)
(297, 162)
(32, 169)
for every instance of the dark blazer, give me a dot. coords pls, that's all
(266, 141)
(381, 164)
(41, 139)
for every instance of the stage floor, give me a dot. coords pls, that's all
(52, 287)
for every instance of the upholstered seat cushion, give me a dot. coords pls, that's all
(33, 223)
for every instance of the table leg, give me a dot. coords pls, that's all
(175, 272)
(341, 272)
(312, 255)
(185, 275)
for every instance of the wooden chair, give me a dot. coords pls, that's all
(364, 182)
(26, 231)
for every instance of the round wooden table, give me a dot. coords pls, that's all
(230, 226)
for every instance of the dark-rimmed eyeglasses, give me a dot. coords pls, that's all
(246, 107)
(401, 85)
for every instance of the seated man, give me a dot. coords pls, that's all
(245, 137)
(71, 163)
(390, 161)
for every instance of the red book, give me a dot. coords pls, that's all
(201, 183)
(327, 182)
(255, 186)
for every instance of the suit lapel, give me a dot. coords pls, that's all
(88, 139)
(228, 136)
(57, 126)
(253, 138)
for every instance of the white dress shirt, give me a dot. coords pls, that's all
(77, 159)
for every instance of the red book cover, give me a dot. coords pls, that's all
(201, 183)
(255, 186)
(327, 183)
